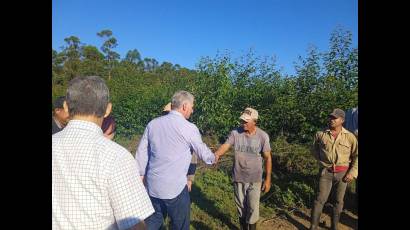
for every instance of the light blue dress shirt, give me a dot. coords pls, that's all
(164, 154)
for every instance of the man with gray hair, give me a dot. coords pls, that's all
(164, 155)
(95, 182)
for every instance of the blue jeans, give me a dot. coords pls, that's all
(178, 209)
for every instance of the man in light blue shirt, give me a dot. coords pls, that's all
(352, 122)
(164, 156)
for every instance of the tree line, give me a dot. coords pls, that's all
(292, 106)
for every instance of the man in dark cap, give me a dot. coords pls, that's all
(336, 150)
(60, 117)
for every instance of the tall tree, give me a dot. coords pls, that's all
(133, 56)
(109, 44)
(92, 61)
(150, 64)
(71, 54)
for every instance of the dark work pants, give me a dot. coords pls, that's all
(178, 209)
(327, 181)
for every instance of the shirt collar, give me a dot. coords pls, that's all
(176, 113)
(57, 122)
(85, 125)
(342, 131)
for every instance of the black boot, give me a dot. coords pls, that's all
(243, 224)
(252, 226)
(315, 217)
(335, 221)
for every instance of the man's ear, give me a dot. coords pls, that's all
(108, 110)
(65, 106)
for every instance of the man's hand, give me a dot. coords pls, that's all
(348, 178)
(221, 151)
(217, 156)
(140, 226)
(189, 184)
(266, 186)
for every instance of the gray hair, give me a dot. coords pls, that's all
(87, 96)
(180, 98)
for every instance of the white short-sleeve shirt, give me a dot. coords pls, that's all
(95, 182)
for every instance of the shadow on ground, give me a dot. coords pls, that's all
(208, 206)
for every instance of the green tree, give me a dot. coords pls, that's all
(107, 48)
(92, 61)
(150, 64)
(133, 56)
(71, 55)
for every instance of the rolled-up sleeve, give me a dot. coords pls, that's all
(141, 155)
(354, 169)
(315, 147)
(200, 148)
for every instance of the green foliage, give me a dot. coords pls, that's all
(294, 175)
(291, 106)
(291, 110)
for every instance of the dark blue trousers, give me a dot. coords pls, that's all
(178, 209)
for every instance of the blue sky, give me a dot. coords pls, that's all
(181, 32)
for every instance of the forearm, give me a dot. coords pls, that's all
(191, 177)
(222, 150)
(268, 167)
(354, 159)
(142, 161)
(354, 166)
(141, 155)
(315, 148)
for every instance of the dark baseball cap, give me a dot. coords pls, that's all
(337, 113)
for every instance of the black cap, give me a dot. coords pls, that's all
(338, 113)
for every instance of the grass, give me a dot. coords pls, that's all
(294, 181)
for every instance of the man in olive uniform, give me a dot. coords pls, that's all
(336, 150)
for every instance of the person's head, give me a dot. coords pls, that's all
(88, 97)
(336, 118)
(167, 109)
(58, 109)
(248, 118)
(183, 102)
(109, 127)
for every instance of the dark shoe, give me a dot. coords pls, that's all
(252, 226)
(335, 222)
(243, 224)
(315, 217)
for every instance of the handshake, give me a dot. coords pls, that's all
(221, 151)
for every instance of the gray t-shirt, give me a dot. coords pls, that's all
(248, 160)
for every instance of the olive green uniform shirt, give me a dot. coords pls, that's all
(342, 151)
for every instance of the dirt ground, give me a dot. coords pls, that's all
(300, 219)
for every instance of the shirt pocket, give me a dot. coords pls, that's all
(326, 145)
(344, 148)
